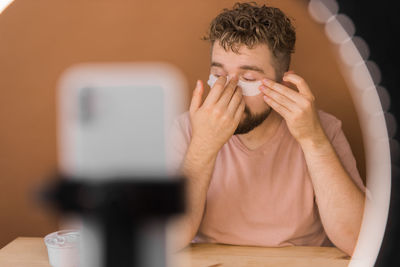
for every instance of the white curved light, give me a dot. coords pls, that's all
(363, 79)
(322, 11)
(346, 51)
(4, 4)
(339, 29)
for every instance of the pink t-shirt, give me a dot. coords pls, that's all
(263, 197)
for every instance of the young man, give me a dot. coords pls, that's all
(267, 169)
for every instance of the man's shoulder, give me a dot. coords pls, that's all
(328, 117)
(183, 119)
(329, 122)
(182, 122)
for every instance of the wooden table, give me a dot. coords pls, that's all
(31, 251)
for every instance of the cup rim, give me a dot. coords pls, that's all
(64, 231)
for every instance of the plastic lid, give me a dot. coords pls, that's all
(63, 239)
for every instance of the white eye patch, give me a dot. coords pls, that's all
(248, 88)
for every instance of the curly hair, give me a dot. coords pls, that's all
(250, 24)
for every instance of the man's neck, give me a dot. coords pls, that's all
(259, 135)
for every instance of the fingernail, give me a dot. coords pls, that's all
(198, 84)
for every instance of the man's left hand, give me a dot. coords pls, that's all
(296, 107)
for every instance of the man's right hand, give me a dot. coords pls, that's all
(215, 121)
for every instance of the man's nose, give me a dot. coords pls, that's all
(230, 76)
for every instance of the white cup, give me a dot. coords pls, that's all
(63, 248)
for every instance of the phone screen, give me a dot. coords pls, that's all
(119, 131)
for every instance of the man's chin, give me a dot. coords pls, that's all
(249, 122)
(243, 129)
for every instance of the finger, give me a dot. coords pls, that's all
(277, 107)
(216, 91)
(289, 71)
(228, 92)
(197, 96)
(283, 90)
(300, 83)
(235, 101)
(283, 100)
(289, 84)
(239, 111)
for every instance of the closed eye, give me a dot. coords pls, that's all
(249, 80)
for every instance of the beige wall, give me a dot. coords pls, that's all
(39, 39)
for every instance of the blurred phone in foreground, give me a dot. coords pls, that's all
(114, 118)
(113, 121)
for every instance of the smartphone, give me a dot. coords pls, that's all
(114, 118)
(113, 123)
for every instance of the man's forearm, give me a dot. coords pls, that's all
(197, 167)
(340, 201)
(213, 122)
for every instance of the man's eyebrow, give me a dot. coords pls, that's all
(217, 64)
(254, 68)
(243, 67)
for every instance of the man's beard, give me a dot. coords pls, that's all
(251, 121)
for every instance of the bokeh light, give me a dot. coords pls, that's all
(372, 102)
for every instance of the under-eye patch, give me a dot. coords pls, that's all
(248, 88)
